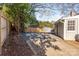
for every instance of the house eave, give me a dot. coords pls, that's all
(59, 21)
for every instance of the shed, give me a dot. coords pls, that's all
(68, 27)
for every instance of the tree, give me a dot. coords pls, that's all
(19, 15)
(45, 24)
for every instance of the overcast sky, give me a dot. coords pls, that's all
(52, 12)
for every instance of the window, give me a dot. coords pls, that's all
(71, 25)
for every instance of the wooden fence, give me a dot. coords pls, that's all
(4, 30)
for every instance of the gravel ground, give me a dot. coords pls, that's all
(14, 46)
(66, 48)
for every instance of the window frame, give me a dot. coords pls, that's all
(71, 25)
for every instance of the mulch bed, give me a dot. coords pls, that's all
(14, 46)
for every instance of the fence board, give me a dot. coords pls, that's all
(3, 31)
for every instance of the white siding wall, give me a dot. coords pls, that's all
(78, 25)
(65, 29)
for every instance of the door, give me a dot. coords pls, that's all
(71, 29)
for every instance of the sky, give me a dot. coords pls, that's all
(53, 11)
(47, 15)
